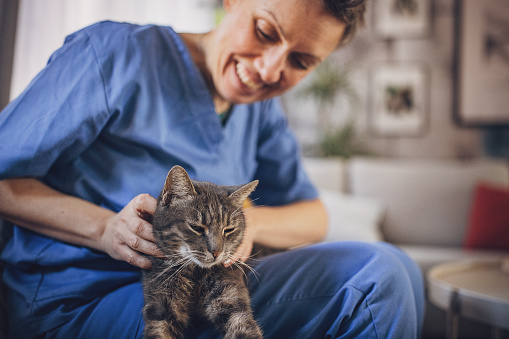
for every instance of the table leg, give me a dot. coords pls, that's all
(453, 316)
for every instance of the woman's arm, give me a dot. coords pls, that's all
(31, 204)
(287, 226)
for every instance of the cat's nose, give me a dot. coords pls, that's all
(216, 254)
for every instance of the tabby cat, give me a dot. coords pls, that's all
(198, 226)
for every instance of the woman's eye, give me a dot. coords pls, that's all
(263, 33)
(197, 229)
(228, 231)
(300, 63)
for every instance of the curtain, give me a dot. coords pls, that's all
(43, 24)
(8, 16)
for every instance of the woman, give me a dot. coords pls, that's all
(87, 145)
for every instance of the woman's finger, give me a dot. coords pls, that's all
(145, 206)
(141, 228)
(134, 258)
(142, 245)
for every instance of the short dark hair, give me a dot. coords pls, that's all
(351, 12)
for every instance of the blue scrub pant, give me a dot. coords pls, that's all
(329, 290)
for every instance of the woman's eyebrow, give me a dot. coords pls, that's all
(280, 29)
(282, 32)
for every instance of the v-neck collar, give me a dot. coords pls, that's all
(198, 96)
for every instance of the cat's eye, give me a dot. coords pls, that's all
(228, 231)
(197, 229)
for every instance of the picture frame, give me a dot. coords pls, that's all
(481, 63)
(396, 19)
(399, 100)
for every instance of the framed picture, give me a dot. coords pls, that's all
(399, 100)
(482, 63)
(402, 18)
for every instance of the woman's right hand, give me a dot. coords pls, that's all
(128, 235)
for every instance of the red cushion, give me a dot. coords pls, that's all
(489, 218)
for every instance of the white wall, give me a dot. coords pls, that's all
(43, 25)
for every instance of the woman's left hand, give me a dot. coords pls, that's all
(244, 250)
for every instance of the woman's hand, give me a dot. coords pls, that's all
(244, 250)
(128, 235)
(285, 226)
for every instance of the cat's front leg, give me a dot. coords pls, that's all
(227, 305)
(161, 320)
(167, 307)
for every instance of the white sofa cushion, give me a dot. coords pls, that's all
(427, 201)
(327, 173)
(352, 218)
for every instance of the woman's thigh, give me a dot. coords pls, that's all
(336, 290)
(115, 315)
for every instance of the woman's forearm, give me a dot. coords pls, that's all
(290, 225)
(31, 204)
(124, 235)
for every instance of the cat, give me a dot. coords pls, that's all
(198, 226)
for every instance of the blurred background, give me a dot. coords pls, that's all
(399, 89)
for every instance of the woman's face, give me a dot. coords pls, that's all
(264, 47)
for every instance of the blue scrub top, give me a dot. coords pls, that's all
(114, 109)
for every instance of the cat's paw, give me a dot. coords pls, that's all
(245, 330)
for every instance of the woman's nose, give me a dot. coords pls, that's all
(270, 65)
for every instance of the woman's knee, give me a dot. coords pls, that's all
(373, 285)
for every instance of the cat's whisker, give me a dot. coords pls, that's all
(253, 200)
(253, 257)
(237, 211)
(184, 264)
(170, 266)
(242, 210)
(240, 268)
(240, 264)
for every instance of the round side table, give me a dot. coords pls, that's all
(474, 289)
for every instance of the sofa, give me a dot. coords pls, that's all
(422, 206)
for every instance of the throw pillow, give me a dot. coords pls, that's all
(489, 218)
(352, 218)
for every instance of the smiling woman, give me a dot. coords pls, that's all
(120, 104)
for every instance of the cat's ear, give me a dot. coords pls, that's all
(241, 194)
(178, 185)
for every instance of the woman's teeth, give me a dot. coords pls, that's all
(245, 79)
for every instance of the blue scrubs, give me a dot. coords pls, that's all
(115, 108)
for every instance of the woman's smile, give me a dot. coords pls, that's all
(247, 78)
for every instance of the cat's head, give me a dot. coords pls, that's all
(199, 221)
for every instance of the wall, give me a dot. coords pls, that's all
(43, 25)
(442, 138)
